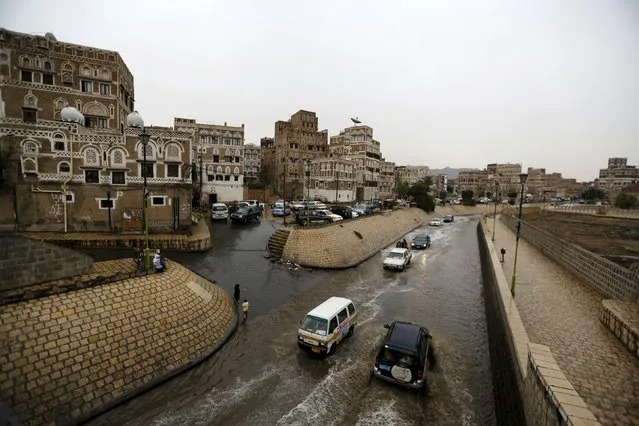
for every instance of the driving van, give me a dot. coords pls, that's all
(327, 325)
(219, 211)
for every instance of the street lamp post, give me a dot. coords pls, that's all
(495, 212)
(522, 179)
(308, 190)
(135, 120)
(144, 139)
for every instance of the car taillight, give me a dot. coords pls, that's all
(420, 375)
(376, 362)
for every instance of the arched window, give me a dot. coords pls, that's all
(172, 151)
(227, 171)
(149, 151)
(86, 71)
(59, 142)
(91, 157)
(210, 170)
(237, 152)
(26, 62)
(47, 66)
(216, 151)
(227, 153)
(64, 168)
(219, 169)
(118, 157)
(236, 171)
(29, 166)
(30, 148)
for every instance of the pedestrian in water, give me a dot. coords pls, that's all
(236, 294)
(245, 309)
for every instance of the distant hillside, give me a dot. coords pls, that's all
(452, 173)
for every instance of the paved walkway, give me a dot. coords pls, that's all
(200, 239)
(66, 355)
(562, 313)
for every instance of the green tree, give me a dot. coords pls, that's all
(402, 189)
(422, 197)
(626, 201)
(468, 197)
(593, 194)
(442, 195)
(449, 189)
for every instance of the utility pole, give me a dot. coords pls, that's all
(336, 186)
(201, 172)
(284, 194)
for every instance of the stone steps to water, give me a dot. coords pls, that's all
(277, 242)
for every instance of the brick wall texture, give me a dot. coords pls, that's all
(64, 356)
(607, 278)
(338, 245)
(24, 262)
(548, 398)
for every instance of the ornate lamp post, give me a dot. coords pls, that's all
(135, 120)
(522, 179)
(495, 211)
(308, 189)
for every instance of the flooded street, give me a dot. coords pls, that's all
(261, 377)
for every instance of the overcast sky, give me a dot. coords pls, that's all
(547, 83)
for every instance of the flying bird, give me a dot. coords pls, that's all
(356, 120)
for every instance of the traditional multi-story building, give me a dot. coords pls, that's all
(219, 152)
(332, 179)
(252, 162)
(297, 141)
(267, 161)
(357, 144)
(473, 180)
(618, 175)
(386, 180)
(507, 176)
(70, 161)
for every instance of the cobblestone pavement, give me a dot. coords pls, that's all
(65, 355)
(563, 313)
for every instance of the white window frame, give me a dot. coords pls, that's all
(99, 200)
(72, 196)
(154, 197)
(89, 85)
(155, 170)
(64, 173)
(118, 171)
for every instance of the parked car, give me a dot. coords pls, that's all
(435, 222)
(405, 355)
(449, 219)
(398, 258)
(363, 209)
(315, 205)
(421, 241)
(343, 211)
(327, 325)
(329, 214)
(219, 211)
(306, 217)
(280, 210)
(296, 205)
(321, 198)
(246, 213)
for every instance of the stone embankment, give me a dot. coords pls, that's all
(346, 244)
(67, 357)
(199, 240)
(530, 386)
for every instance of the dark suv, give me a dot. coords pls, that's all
(405, 355)
(343, 211)
(246, 213)
(305, 217)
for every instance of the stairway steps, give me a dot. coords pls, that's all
(277, 242)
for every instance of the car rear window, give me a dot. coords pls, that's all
(219, 208)
(393, 356)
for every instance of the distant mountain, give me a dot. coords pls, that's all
(452, 173)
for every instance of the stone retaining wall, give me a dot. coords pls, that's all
(64, 358)
(609, 279)
(533, 389)
(595, 210)
(622, 318)
(24, 262)
(346, 244)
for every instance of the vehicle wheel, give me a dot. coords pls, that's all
(332, 350)
(351, 331)
(326, 222)
(403, 268)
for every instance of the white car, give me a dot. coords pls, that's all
(317, 205)
(435, 222)
(219, 211)
(398, 258)
(330, 215)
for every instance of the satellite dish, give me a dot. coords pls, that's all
(356, 120)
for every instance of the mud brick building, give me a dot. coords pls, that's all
(68, 161)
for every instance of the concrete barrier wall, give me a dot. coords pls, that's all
(609, 279)
(529, 385)
(595, 210)
(349, 243)
(67, 357)
(24, 262)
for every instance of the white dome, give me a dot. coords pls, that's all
(72, 115)
(134, 120)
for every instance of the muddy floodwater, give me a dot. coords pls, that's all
(261, 377)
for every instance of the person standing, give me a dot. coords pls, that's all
(245, 309)
(236, 294)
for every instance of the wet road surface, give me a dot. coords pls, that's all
(261, 377)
